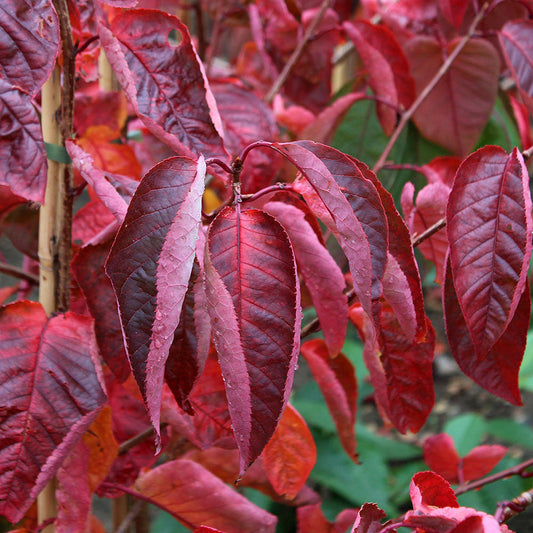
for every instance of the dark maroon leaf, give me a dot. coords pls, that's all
(88, 267)
(254, 303)
(190, 347)
(368, 519)
(516, 39)
(457, 109)
(50, 395)
(336, 378)
(489, 229)
(29, 31)
(387, 66)
(454, 11)
(164, 80)
(323, 278)
(246, 119)
(22, 154)
(497, 371)
(150, 265)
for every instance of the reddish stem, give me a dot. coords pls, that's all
(417, 240)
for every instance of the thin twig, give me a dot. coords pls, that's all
(506, 510)
(298, 51)
(17, 272)
(127, 445)
(130, 517)
(419, 239)
(428, 88)
(518, 470)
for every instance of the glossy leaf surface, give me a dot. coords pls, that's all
(150, 264)
(254, 304)
(164, 80)
(489, 229)
(51, 394)
(196, 497)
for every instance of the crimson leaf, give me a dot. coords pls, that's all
(164, 80)
(489, 227)
(254, 303)
(150, 265)
(51, 393)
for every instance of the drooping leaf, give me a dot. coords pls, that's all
(498, 370)
(441, 456)
(150, 265)
(30, 42)
(489, 229)
(323, 278)
(387, 66)
(516, 39)
(196, 497)
(88, 267)
(456, 110)
(290, 454)
(254, 303)
(22, 154)
(164, 80)
(50, 395)
(337, 382)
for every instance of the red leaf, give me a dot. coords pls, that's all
(94, 224)
(30, 35)
(457, 109)
(441, 169)
(516, 39)
(43, 361)
(428, 490)
(323, 278)
(246, 118)
(22, 154)
(164, 82)
(454, 11)
(368, 519)
(150, 265)
(196, 497)
(442, 457)
(337, 382)
(254, 304)
(489, 229)
(88, 267)
(481, 460)
(387, 66)
(473, 524)
(311, 519)
(290, 454)
(206, 529)
(112, 111)
(497, 372)
(354, 206)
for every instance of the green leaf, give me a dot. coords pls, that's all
(467, 431)
(525, 378)
(511, 432)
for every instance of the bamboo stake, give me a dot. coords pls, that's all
(106, 77)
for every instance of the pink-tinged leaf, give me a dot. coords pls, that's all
(498, 370)
(150, 265)
(338, 384)
(430, 207)
(454, 11)
(22, 154)
(387, 66)
(88, 267)
(516, 39)
(84, 162)
(311, 518)
(246, 118)
(489, 228)
(481, 460)
(521, 116)
(42, 361)
(322, 128)
(441, 456)
(368, 519)
(429, 490)
(457, 109)
(290, 454)
(323, 278)
(30, 43)
(211, 424)
(254, 303)
(441, 169)
(190, 347)
(164, 81)
(349, 199)
(196, 497)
